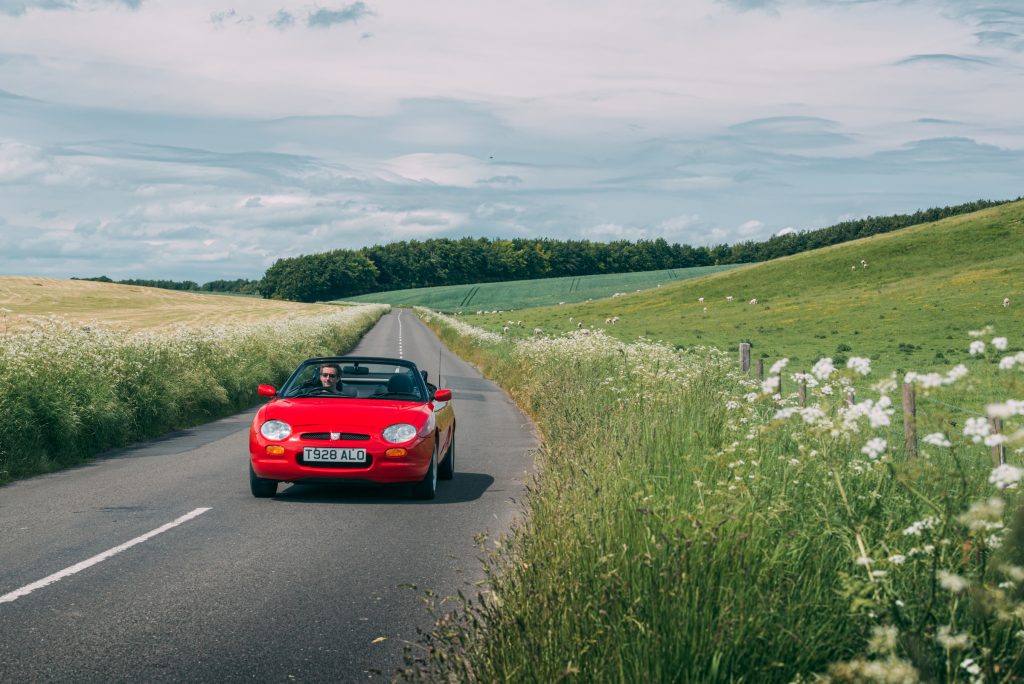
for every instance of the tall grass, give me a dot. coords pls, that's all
(70, 392)
(688, 526)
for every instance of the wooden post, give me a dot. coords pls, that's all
(802, 389)
(745, 357)
(910, 419)
(760, 369)
(851, 396)
(779, 385)
(999, 450)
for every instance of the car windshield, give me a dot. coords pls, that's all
(356, 380)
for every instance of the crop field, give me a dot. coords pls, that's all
(131, 307)
(904, 299)
(518, 294)
(688, 524)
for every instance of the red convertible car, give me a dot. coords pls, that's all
(351, 419)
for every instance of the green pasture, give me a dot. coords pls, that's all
(518, 294)
(910, 308)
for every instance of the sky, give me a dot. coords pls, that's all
(203, 140)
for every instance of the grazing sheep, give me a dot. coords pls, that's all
(700, 300)
(854, 267)
(505, 330)
(614, 319)
(538, 332)
(753, 301)
(580, 324)
(1006, 302)
(729, 298)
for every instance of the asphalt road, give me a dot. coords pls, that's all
(295, 588)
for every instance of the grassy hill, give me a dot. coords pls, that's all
(130, 306)
(923, 288)
(517, 294)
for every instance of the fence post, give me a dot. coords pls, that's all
(760, 369)
(745, 357)
(910, 419)
(802, 389)
(779, 385)
(999, 450)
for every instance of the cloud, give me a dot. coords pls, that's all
(17, 8)
(219, 19)
(283, 20)
(349, 14)
(791, 132)
(960, 61)
(788, 230)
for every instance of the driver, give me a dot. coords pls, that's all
(329, 374)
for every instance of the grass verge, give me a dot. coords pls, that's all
(686, 526)
(71, 392)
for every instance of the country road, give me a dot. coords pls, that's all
(208, 584)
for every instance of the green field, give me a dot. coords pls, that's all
(923, 288)
(518, 294)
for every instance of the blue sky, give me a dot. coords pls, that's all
(203, 140)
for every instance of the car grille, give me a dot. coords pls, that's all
(351, 436)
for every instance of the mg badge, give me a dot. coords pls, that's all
(335, 435)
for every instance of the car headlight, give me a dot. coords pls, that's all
(275, 429)
(396, 434)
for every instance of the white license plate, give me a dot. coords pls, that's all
(333, 455)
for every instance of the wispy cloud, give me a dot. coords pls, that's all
(17, 8)
(349, 14)
(961, 61)
(282, 20)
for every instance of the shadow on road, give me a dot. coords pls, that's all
(465, 487)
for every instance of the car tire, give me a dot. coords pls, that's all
(261, 488)
(426, 488)
(446, 470)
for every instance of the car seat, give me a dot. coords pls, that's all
(400, 383)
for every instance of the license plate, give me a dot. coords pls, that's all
(333, 455)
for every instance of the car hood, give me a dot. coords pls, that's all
(346, 415)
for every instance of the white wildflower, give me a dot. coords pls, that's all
(951, 642)
(952, 582)
(1006, 476)
(977, 429)
(777, 367)
(823, 369)
(977, 347)
(937, 439)
(859, 364)
(1000, 343)
(897, 559)
(920, 526)
(874, 448)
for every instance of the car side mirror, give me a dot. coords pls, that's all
(267, 391)
(443, 395)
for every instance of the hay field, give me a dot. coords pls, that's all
(131, 307)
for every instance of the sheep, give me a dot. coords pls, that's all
(614, 319)
(700, 300)
(580, 324)
(729, 298)
(505, 330)
(538, 332)
(1006, 302)
(753, 301)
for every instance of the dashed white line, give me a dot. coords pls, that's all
(89, 562)
(400, 335)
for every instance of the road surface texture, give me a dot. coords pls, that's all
(154, 563)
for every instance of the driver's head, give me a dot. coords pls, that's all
(328, 375)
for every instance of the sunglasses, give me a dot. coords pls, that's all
(328, 375)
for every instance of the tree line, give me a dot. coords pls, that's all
(407, 264)
(343, 273)
(239, 286)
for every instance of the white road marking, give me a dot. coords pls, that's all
(400, 335)
(89, 562)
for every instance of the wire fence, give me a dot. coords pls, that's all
(909, 404)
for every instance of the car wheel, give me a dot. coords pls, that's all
(446, 470)
(427, 487)
(260, 488)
